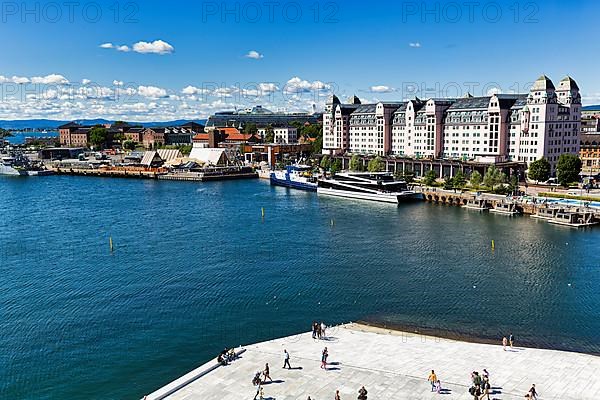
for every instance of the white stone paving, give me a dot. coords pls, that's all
(395, 365)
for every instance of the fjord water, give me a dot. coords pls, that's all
(196, 268)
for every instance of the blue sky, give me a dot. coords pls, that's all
(284, 55)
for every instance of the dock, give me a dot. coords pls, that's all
(571, 216)
(391, 365)
(209, 174)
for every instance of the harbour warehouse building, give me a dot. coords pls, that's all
(502, 127)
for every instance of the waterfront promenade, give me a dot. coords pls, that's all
(392, 365)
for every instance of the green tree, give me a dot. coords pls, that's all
(475, 180)
(429, 178)
(539, 170)
(376, 165)
(250, 128)
(356, 163)
(460, 180)
(4, 133)
(568, 169)
(493, 177)
(98, 136)
(448, 183)
(317, 145)
(513, 184)
(129, 145)
(119, 137)
(325, 163)
(336, 166)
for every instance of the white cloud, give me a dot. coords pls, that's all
(156, 47)
(192, 90)
(297, 85)
(19, 79)
(415, 45)
(253, 54)
(381, 89)
(268, 87)
(117, 83)
(493, 91)
(123, 49)
(52, 79)
(107, 46)
(152, 92)
(85, 81)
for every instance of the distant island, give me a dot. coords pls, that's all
(49, 124)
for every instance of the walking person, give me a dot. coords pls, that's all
(324, 356)
(286, 359)
(318, 326)
(504, 342)
(323, 327)
(267, 373)
(314, 330)
(511, 340)
(532, 393)
(432, 379)
(486, 388)
(337, 395)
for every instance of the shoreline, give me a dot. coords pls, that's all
(457, 336)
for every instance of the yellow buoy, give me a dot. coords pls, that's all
(493, 245)
(110, 242)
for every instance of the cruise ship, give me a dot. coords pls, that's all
(379, 186)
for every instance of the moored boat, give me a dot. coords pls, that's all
(295, 177)
(380, 187)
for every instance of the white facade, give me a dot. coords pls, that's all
(285, 135)
(519, 127)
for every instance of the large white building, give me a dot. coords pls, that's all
(518, 127)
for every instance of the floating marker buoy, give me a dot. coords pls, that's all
(262, 211)
(110, 243)
(332, 222)
(493, 244)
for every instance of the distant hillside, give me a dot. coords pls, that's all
(39, 124)
(591, 108)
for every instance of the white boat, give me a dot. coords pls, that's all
(476, 204)
(506, 208)
(295, 177)
(379, 186)
(8, 167)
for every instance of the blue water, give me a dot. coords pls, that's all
(19, 137)
(195, 268)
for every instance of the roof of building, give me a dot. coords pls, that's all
(211, 156)
(543, 83)
(567, 83)
(169, 154)
(82, 131)
(590, 139)
(150, 157)
(366, 109)
(354, 100)
(69, 125)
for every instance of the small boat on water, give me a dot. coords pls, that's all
(574, 218)
(477, 204)
(506, 208)
(373, 186)
(295, 177)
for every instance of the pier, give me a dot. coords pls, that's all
(209, 174)
(391, 365)
(573, 216)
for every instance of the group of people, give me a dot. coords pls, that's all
(508, 341)
(362, 394)
(318, 330)
(481, 387)
(436, 385)
(226, 356)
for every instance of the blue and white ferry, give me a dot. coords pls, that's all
(296, 177)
